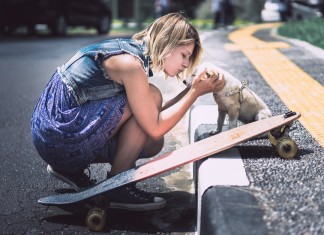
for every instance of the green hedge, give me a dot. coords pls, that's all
(311, 31)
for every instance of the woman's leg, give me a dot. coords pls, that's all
(132, 139)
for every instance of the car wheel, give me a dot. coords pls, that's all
(59, 26)
(104, 25)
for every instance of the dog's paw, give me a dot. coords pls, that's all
(214, 132)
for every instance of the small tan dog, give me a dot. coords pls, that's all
(235, 99)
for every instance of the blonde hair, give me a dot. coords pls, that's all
(166, 33)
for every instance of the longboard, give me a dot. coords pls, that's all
(185, 155)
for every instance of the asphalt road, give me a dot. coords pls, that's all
(26, 65)
(291, 193)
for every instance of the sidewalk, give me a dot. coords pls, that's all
(286, 76)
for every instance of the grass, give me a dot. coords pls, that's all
(207, 24)
(311, 31)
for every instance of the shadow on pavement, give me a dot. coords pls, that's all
(266, 151)
(178, 216)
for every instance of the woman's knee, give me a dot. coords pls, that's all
(153, 147)
(157, 95)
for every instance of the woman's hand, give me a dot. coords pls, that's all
(207, 81)
(220, 80)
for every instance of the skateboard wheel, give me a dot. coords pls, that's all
(96, 219)
(272, 139)
(286, 148)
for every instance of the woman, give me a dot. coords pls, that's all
(100, 107)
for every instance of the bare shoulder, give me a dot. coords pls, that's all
(123, 67)
(124, 63)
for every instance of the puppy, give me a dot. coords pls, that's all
(235, 99)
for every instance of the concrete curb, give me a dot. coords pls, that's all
(214, 179)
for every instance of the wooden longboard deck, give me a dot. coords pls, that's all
(179, 157)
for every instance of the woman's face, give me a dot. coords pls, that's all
(178, 59)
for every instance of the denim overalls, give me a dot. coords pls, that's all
(80, 107)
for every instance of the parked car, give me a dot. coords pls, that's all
(275, 10)
(56, 14)
(305, 9)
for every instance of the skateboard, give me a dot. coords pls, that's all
(97, 203)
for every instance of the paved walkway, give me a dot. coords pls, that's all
(298, 90)
(286, 75)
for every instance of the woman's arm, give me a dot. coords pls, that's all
(128, 71)
(218, 86)
(175, 99)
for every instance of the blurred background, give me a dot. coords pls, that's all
(60, 17)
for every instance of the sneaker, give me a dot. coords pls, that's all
(79, 180)
(133, 199)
